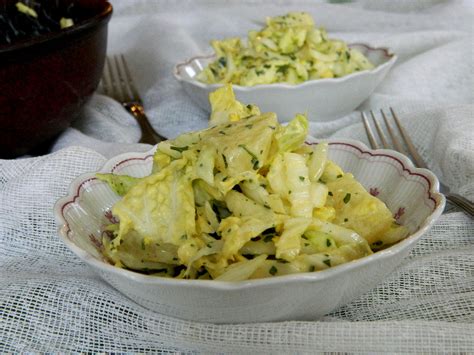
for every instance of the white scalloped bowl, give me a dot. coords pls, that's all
(321, 99)
(412, 194)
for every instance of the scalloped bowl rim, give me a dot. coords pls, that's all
(391, 59)
(255, 283)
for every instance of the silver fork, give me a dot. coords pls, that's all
(457, 200)
(117, 83)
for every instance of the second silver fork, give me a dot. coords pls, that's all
(457, 200)
(118, 83)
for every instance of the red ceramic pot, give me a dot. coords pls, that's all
(44, 81)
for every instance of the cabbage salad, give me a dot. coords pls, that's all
(290, 49)
(243, 199)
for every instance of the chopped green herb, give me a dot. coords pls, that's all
(339, 176)
(302, 178)
(330, 193)
(268, 238)
(328, 242)
(222, 61)
(180, 149)
(225, 161)
(327, 262)
(222, 132)
(273, 270)
(346, 219)
(283, 69)
(347, 198)
(312, 268)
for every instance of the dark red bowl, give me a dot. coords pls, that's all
(45, 80)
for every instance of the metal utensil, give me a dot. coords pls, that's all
(117, 83)
(457, 200)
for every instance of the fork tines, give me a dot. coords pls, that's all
(396, 142)
(117, 80)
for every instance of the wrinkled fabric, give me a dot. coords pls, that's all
(50, 301)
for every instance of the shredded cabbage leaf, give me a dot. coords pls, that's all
(289, 49)
(243, 199)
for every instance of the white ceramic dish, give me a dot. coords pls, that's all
(322, 99)
(412, 194)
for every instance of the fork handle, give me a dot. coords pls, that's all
(461, 202)
(149, 135)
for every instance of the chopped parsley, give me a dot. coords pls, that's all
(254, 159)
(179, 149)
(222, 61)
(327, 262)
(225, 161)
(347, 198)
(283, 69)
(273, 270)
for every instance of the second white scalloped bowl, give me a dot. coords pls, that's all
(412, 195)
(321, 99)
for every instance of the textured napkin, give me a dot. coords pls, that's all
(52, 302)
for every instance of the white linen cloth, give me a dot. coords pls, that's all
(52, 302)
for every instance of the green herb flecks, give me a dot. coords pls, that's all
(283, 69)
(347, 198)
(254, 159)
(179, 149)
(225, 161)
(222, 61)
